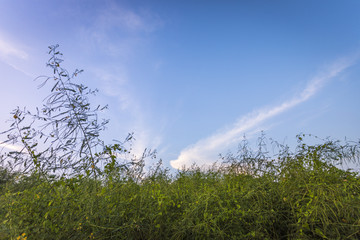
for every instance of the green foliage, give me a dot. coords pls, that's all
(305, 198)
(251, 195)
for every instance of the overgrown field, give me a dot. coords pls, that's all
(59, 180)
(295, 196)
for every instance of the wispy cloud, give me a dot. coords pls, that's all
(205, 151)
(115, 16)
(116, 85)
(118, 31)
(11, 147)
(8, 49)
(10, 53)
(145, 139)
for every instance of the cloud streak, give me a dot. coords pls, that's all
(11, 147)
(9, 53)
(7, 49)
(119, 33)
(205, 151)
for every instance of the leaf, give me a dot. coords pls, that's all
(54, 86)
(320, 233)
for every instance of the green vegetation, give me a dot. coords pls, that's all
(76, 187)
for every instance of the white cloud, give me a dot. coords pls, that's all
(115, 16)
(10, 53)
(205, 151)
(7, 49)
(119, 31)
(20, 70)
(144, 139)
(116, 86)
(11, 147)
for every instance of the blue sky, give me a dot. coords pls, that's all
(190, 78)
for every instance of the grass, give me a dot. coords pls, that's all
(295, 196)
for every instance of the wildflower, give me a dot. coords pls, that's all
(22, 237)
(79, 227)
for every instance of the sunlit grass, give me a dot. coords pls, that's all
(298, 196)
